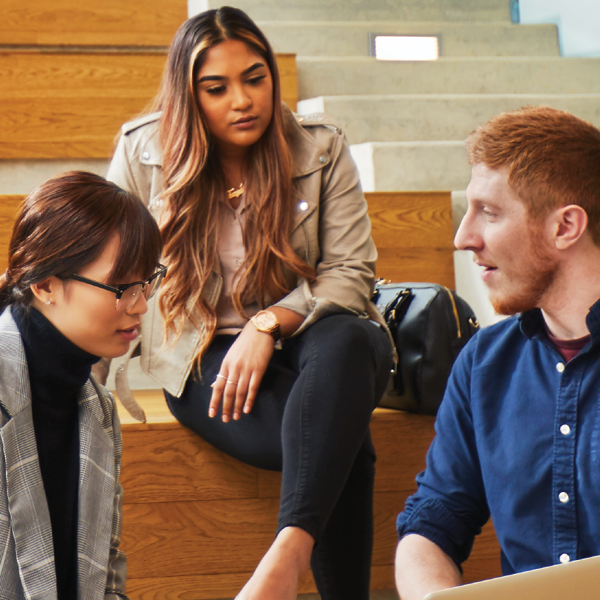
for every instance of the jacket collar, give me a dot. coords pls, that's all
(306, 151)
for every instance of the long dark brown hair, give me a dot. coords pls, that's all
(65, 224)
(195, 182)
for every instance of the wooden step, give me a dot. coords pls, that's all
(76, 23)
(196, 519)
(412, 232)
(59, 104)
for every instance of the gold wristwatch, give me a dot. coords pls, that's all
(267, 322)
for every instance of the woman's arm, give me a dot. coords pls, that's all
(336, 233)
(246, 363)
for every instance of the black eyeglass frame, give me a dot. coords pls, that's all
(120, 290)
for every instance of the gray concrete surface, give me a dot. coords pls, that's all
(328, 76)
(360, 10)
(412, 166)
(22, 176)
(347, 38)
(428, 117)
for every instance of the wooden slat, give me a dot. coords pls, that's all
(412, 232)
(208, 587)
(484, 562)
(110, 22)
(155, 453)
(9, 205)
(153, 459)
(222, 537)
(413, 235)
(72, 105)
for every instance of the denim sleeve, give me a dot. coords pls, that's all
(450, 507)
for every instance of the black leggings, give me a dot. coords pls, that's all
(311, 421)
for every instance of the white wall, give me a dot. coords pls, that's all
(578, 23)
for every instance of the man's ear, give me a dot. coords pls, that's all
(570, 224)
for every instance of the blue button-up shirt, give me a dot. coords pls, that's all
(518, 437)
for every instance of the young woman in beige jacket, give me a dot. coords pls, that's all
(274, 352)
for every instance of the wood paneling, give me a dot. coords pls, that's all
(72, 105)
(110, 22)
(413, 235)
(9, 205)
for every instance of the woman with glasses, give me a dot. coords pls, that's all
(82, 264)
(275, 354)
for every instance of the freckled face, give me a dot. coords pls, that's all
(517, 267)
(235, 95)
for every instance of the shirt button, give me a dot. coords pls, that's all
(146, 155)
(563, 497)
(323, 159)
(303, 205)
(564, 558)
(565, 429)
(560, 367)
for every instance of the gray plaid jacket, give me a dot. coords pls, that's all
(26, 550)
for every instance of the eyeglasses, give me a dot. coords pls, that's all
(128, 293)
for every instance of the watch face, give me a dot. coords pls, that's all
(266, 320)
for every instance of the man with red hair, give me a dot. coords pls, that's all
(518, 432)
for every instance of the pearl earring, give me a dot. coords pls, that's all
(48, 303)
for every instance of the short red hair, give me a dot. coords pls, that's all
(552, 157)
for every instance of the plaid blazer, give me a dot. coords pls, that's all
(26, 548)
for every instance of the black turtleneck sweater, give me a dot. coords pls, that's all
(57, 371)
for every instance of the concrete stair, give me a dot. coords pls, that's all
(431, 117)
(412, 166)
(350, 38)
(366, 10)
(331, 76)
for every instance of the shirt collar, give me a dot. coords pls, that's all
(533, 325)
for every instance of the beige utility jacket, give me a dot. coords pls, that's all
(331, 232)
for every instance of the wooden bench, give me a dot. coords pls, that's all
(76, 23)
(58, 104)
(196, 522)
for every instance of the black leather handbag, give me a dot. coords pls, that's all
(430, 325)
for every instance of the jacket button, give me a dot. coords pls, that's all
(303, 205)
(323, 159)
(146, 155)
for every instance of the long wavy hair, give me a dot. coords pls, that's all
(195, 183)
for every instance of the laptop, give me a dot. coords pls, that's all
(577, 580)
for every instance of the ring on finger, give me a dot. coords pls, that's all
(231, 382)
(219, 376)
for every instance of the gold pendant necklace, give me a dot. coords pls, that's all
(233, 193)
